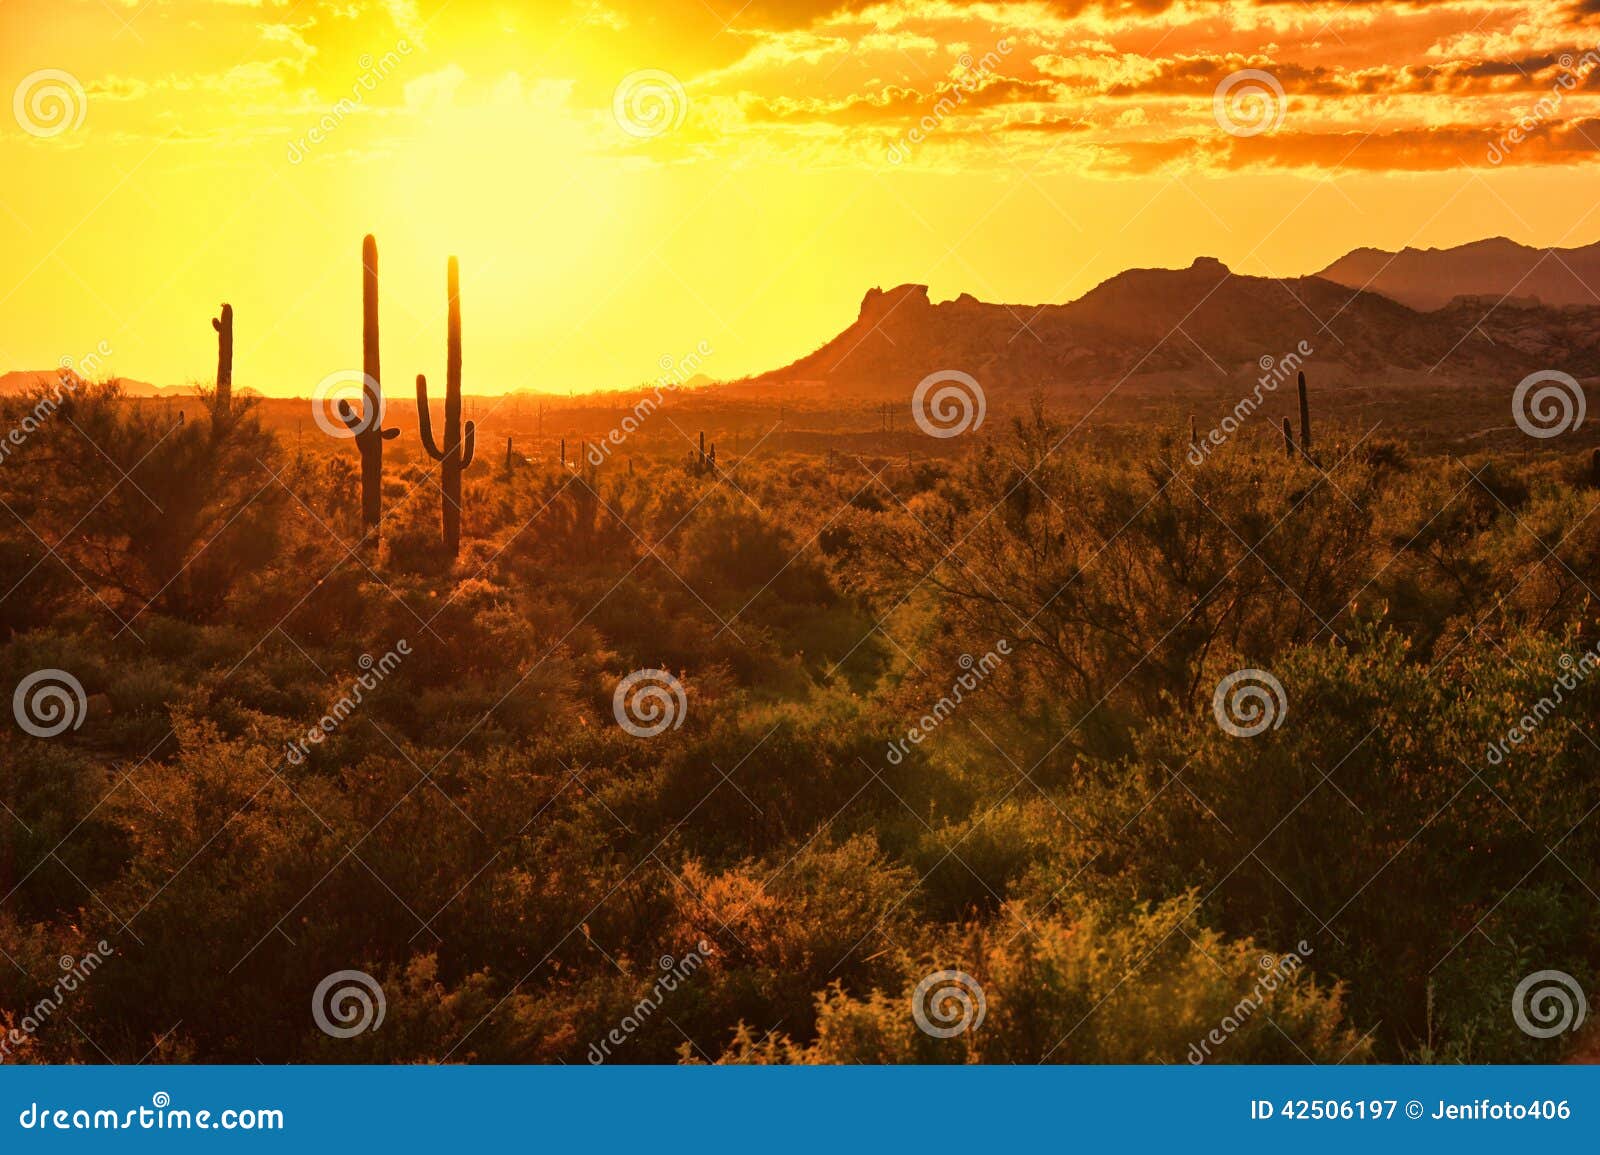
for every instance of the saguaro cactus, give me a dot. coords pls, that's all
(457, 452)
(1305, 419)
(1288, 440)
(222, 404)
(368, 424)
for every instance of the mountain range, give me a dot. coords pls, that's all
(1484, 323)
(1497, 267)
(1488, 311)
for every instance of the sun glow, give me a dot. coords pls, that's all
(747, 194)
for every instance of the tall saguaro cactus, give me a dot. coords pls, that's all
(457, 452)
(368, 424)
(1305, 418)
(222, 404)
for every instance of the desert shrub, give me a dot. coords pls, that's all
(1378, 797)
(1117, 583)
(158, 510)
(1077, 833)
(1094, 989)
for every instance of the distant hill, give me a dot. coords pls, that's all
(23, 380)
(20, 381)
(1497, 267)
(1201, 320)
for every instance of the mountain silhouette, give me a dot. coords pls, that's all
(1201, 319)
(1496, 267)
(1487, 312)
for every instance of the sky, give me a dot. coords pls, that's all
(630, 183)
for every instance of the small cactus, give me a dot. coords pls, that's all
(1288, 440)
(368, 424)
(508, 455)
(457, 452)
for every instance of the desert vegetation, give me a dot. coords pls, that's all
(324, 730)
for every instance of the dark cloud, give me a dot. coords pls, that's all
(898, 103)
(1434, 149)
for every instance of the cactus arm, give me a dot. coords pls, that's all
(391, 434)
(425, 420)
(468, 444)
